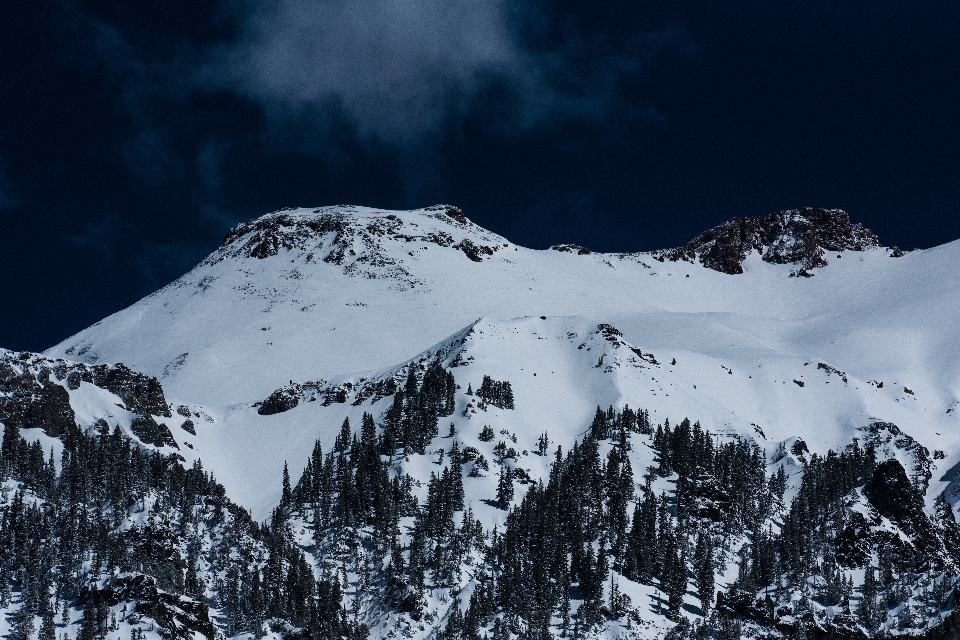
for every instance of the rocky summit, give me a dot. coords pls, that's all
(800, 237)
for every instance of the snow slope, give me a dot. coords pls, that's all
(316, 295)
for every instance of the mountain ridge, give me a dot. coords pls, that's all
(795, 236)
(428, 252)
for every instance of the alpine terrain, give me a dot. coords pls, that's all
(354, 423)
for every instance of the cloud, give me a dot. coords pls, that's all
(301, 96)
(396, 68)
(399, 70)
(394, 71)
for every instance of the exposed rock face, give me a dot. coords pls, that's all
(800, 236)
(30, 399)
(139, 392)
(34, 391)
(181, 617)
(279, 401)
(450, 211)
(894, 497)
(888, 438)
(266, 236)
(474, 251)
(152, 432)
(571, 248)
(886, 517)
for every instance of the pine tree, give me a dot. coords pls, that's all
(286, 494)
(868, 612)
(598, 428)
(4, 586)
(21, 627)
(674, 582)
(9, 450)
(591, 573)
(48, 629)
(543, 443)
(705, 570)
(343, 438)
(89, 629)
(505, 487)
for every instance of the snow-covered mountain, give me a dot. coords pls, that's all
(307, 295)
(315, 293)
(796, 332)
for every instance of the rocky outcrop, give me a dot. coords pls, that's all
(268, 235)
(140, 393)
(279, 401)
(571, 248)
(891, 493)
(888, 440)
(889, 515)
(35, 392)
(180, 616)
(450, 211)
(149, 431)
(29, 399)
(474, 251)
(800, 236)
(363, 242)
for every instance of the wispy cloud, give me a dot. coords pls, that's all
(399, 70)
(395, 67)
(329, 86)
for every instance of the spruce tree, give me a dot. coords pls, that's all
(505, 487)
(21, 627)
(705, 570)
(89, 630)
(286, 494)
(48, 630)
(343, 438)
(674, 582)
(868, 612)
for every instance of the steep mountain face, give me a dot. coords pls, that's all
(448, 435)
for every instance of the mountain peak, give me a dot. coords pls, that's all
(364, 241)
(797, 236)
(296, 228)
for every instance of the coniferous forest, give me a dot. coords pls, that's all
(714, 535)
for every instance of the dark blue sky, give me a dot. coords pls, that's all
(133, 135)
